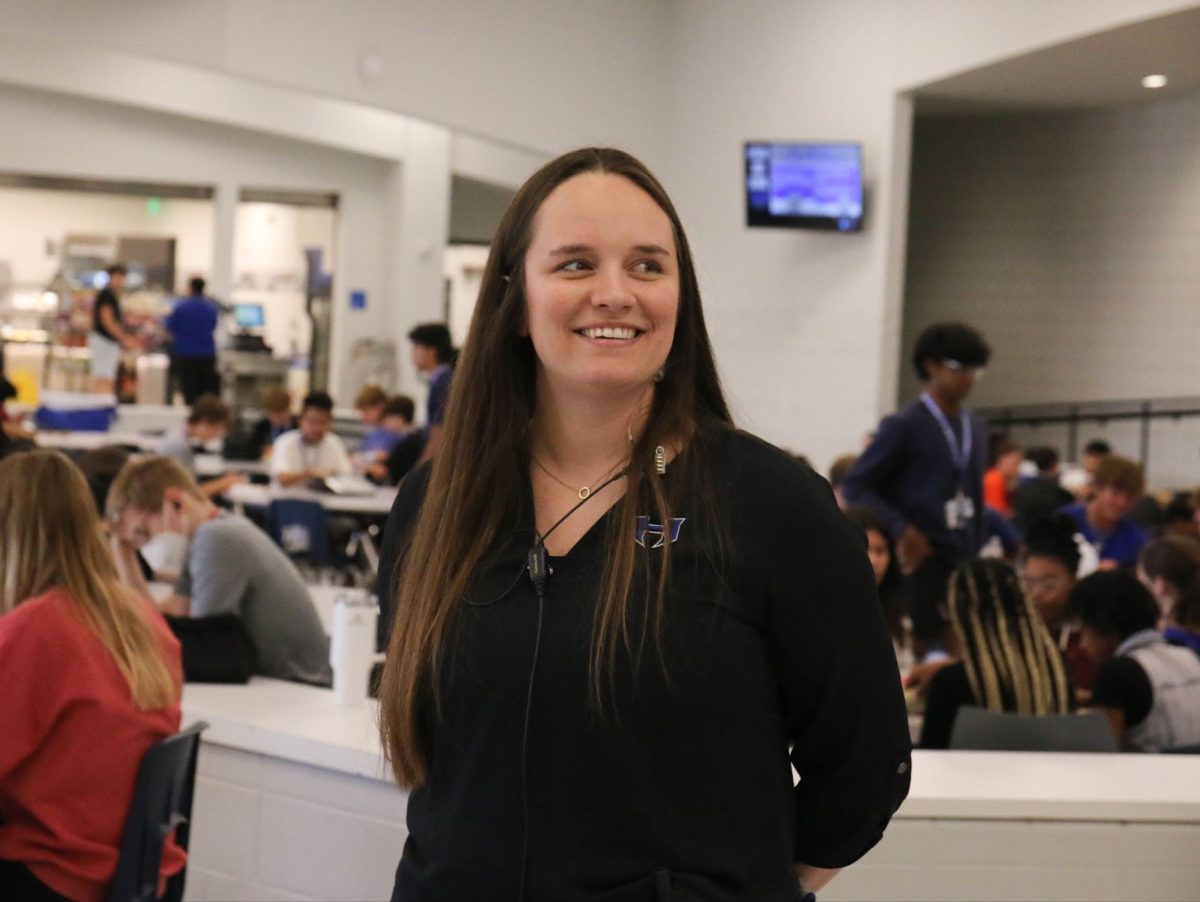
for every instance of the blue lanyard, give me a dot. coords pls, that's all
(960, 456)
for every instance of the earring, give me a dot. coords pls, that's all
(661, 374)
(660, 460)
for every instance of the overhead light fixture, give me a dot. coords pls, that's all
(1154, 81)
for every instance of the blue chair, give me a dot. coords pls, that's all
(162, 802)
(301, 529)
(976, 729)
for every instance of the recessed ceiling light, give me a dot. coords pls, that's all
(1154, 81)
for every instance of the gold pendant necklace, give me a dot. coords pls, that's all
(584, 492)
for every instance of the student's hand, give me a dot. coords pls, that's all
(912, 549)
(378, 472)
(320, 474)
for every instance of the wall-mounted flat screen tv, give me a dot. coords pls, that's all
(804, 186)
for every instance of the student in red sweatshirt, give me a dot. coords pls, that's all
(90, 678)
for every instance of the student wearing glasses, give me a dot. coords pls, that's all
(923, 473)
(1048, 571)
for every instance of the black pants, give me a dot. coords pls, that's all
(926, 590)
(197, 376)
(16, 882)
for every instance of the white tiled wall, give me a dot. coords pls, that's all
(263, 828)
(1070, 240)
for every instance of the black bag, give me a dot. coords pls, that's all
(216, 649)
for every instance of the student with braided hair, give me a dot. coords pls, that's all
(1008, 660)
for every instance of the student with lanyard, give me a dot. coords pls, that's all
(620, 622)
(923, 473)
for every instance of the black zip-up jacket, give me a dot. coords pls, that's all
(686, 792)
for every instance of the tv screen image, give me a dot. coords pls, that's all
(248, 316)
(804, 186)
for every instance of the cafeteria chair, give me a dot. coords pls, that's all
(301, 528)
(979, 730)
(162, 803)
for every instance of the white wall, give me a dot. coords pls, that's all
(1070, 240)
(539, 74)
(34, 221)
(806, 325)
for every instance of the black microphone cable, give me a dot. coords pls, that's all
(539, 573)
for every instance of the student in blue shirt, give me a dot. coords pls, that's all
(192, 324)
(1104, 520)
(370, 403)
(923, 473)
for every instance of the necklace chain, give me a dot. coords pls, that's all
(584, 492)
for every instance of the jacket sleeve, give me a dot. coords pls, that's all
(874, 471)
(842, 698)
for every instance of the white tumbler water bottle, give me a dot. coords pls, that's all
(352, 647)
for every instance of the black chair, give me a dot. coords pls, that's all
(976, 729)
(162, 802)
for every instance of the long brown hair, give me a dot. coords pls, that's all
(50, 538)
(479, 475)
(1011, 660)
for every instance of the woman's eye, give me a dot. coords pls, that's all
(648, 266)
(574, 266)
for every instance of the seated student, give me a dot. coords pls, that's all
(882, 553)
(1001, 478)
(276, 420)
(1149, 689)
(208, 421)
(90, 678)
(1008, 662)
(370, 404)
(1183, 626)
(100, 467)
(1179, 517)
(1048, 570)
(312, 451)
(1104, 520)
(231, 566)
(1168, 567)
(1041, 495)
(393, 466)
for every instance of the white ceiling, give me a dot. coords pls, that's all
(1104, 69)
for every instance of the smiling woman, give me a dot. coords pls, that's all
(614, 613)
